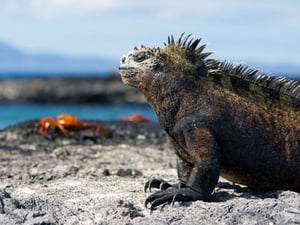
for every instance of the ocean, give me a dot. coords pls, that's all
(12, 113)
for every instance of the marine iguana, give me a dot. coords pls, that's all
(222, 118)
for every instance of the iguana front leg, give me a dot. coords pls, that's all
(201, 150)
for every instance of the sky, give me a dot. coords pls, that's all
(267, 31)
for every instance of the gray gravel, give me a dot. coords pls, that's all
(87, 179)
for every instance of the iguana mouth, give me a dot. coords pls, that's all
(127, 71)
(126, 68)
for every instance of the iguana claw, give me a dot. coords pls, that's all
(156, 183)
(172, 195)
(161, 184)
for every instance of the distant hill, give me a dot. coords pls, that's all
(16, 62)
(283, 69)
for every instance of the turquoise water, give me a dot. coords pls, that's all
(11, 113)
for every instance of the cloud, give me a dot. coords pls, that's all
(56, 8)
(71, 5)
(174, 8)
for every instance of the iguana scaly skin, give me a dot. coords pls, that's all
(223, 119)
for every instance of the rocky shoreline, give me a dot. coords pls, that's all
(87, 179)
(69, 90)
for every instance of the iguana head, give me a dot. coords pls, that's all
(180, 59)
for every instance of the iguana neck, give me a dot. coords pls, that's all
(171, 99)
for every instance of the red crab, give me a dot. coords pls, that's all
(135, 118)
(66, 123)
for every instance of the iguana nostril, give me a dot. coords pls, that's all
(123, 59)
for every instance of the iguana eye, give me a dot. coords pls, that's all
(140, 57)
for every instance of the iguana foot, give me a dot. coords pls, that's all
(172, 195)
(161, 184)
